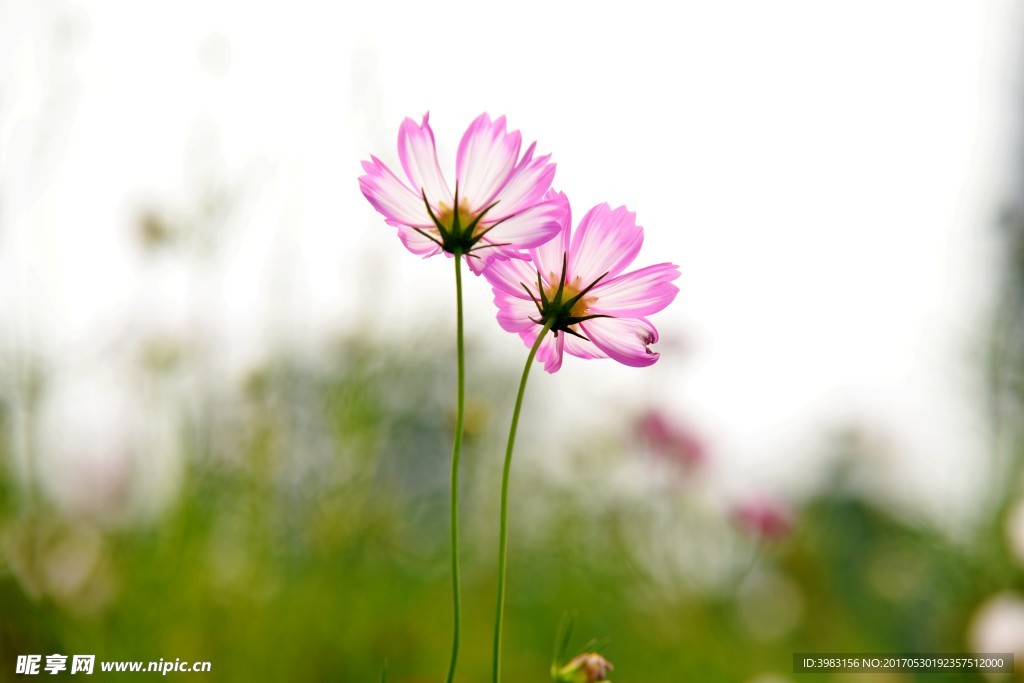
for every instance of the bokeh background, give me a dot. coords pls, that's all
(226, 390)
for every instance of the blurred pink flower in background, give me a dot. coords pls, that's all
(498, 206)
(579, 287)
(764, 517)
(671, 439)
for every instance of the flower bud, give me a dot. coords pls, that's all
(586, 668)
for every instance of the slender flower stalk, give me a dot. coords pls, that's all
(572, 296)
(498, 208)
(499, 611)
(456, 454)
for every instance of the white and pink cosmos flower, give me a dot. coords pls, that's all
(575, 285)
(498, 207)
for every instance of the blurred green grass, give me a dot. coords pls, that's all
(308, 542)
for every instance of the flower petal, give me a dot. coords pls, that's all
(487, 156)
(639, 293)
(418, 154)
(605, 242)
(527, 229)
(391, 197)
(624, 339)
(526, 185)
(481, 260)
(509, 277)
(550, 351)
(514, 313)
(581, 348)
(416, 242)
(478, 263)
(548, 256)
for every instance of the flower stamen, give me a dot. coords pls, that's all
(460, 231)
(566, 306)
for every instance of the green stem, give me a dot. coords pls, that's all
(456, 453)
(499, 611)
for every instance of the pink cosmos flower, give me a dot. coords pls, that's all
(497, 209)
(578, 286)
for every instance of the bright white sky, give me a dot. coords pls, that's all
(826, 175)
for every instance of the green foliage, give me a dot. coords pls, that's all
(308, 543)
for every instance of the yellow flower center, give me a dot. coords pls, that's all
(569, 291)
(446, 216)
